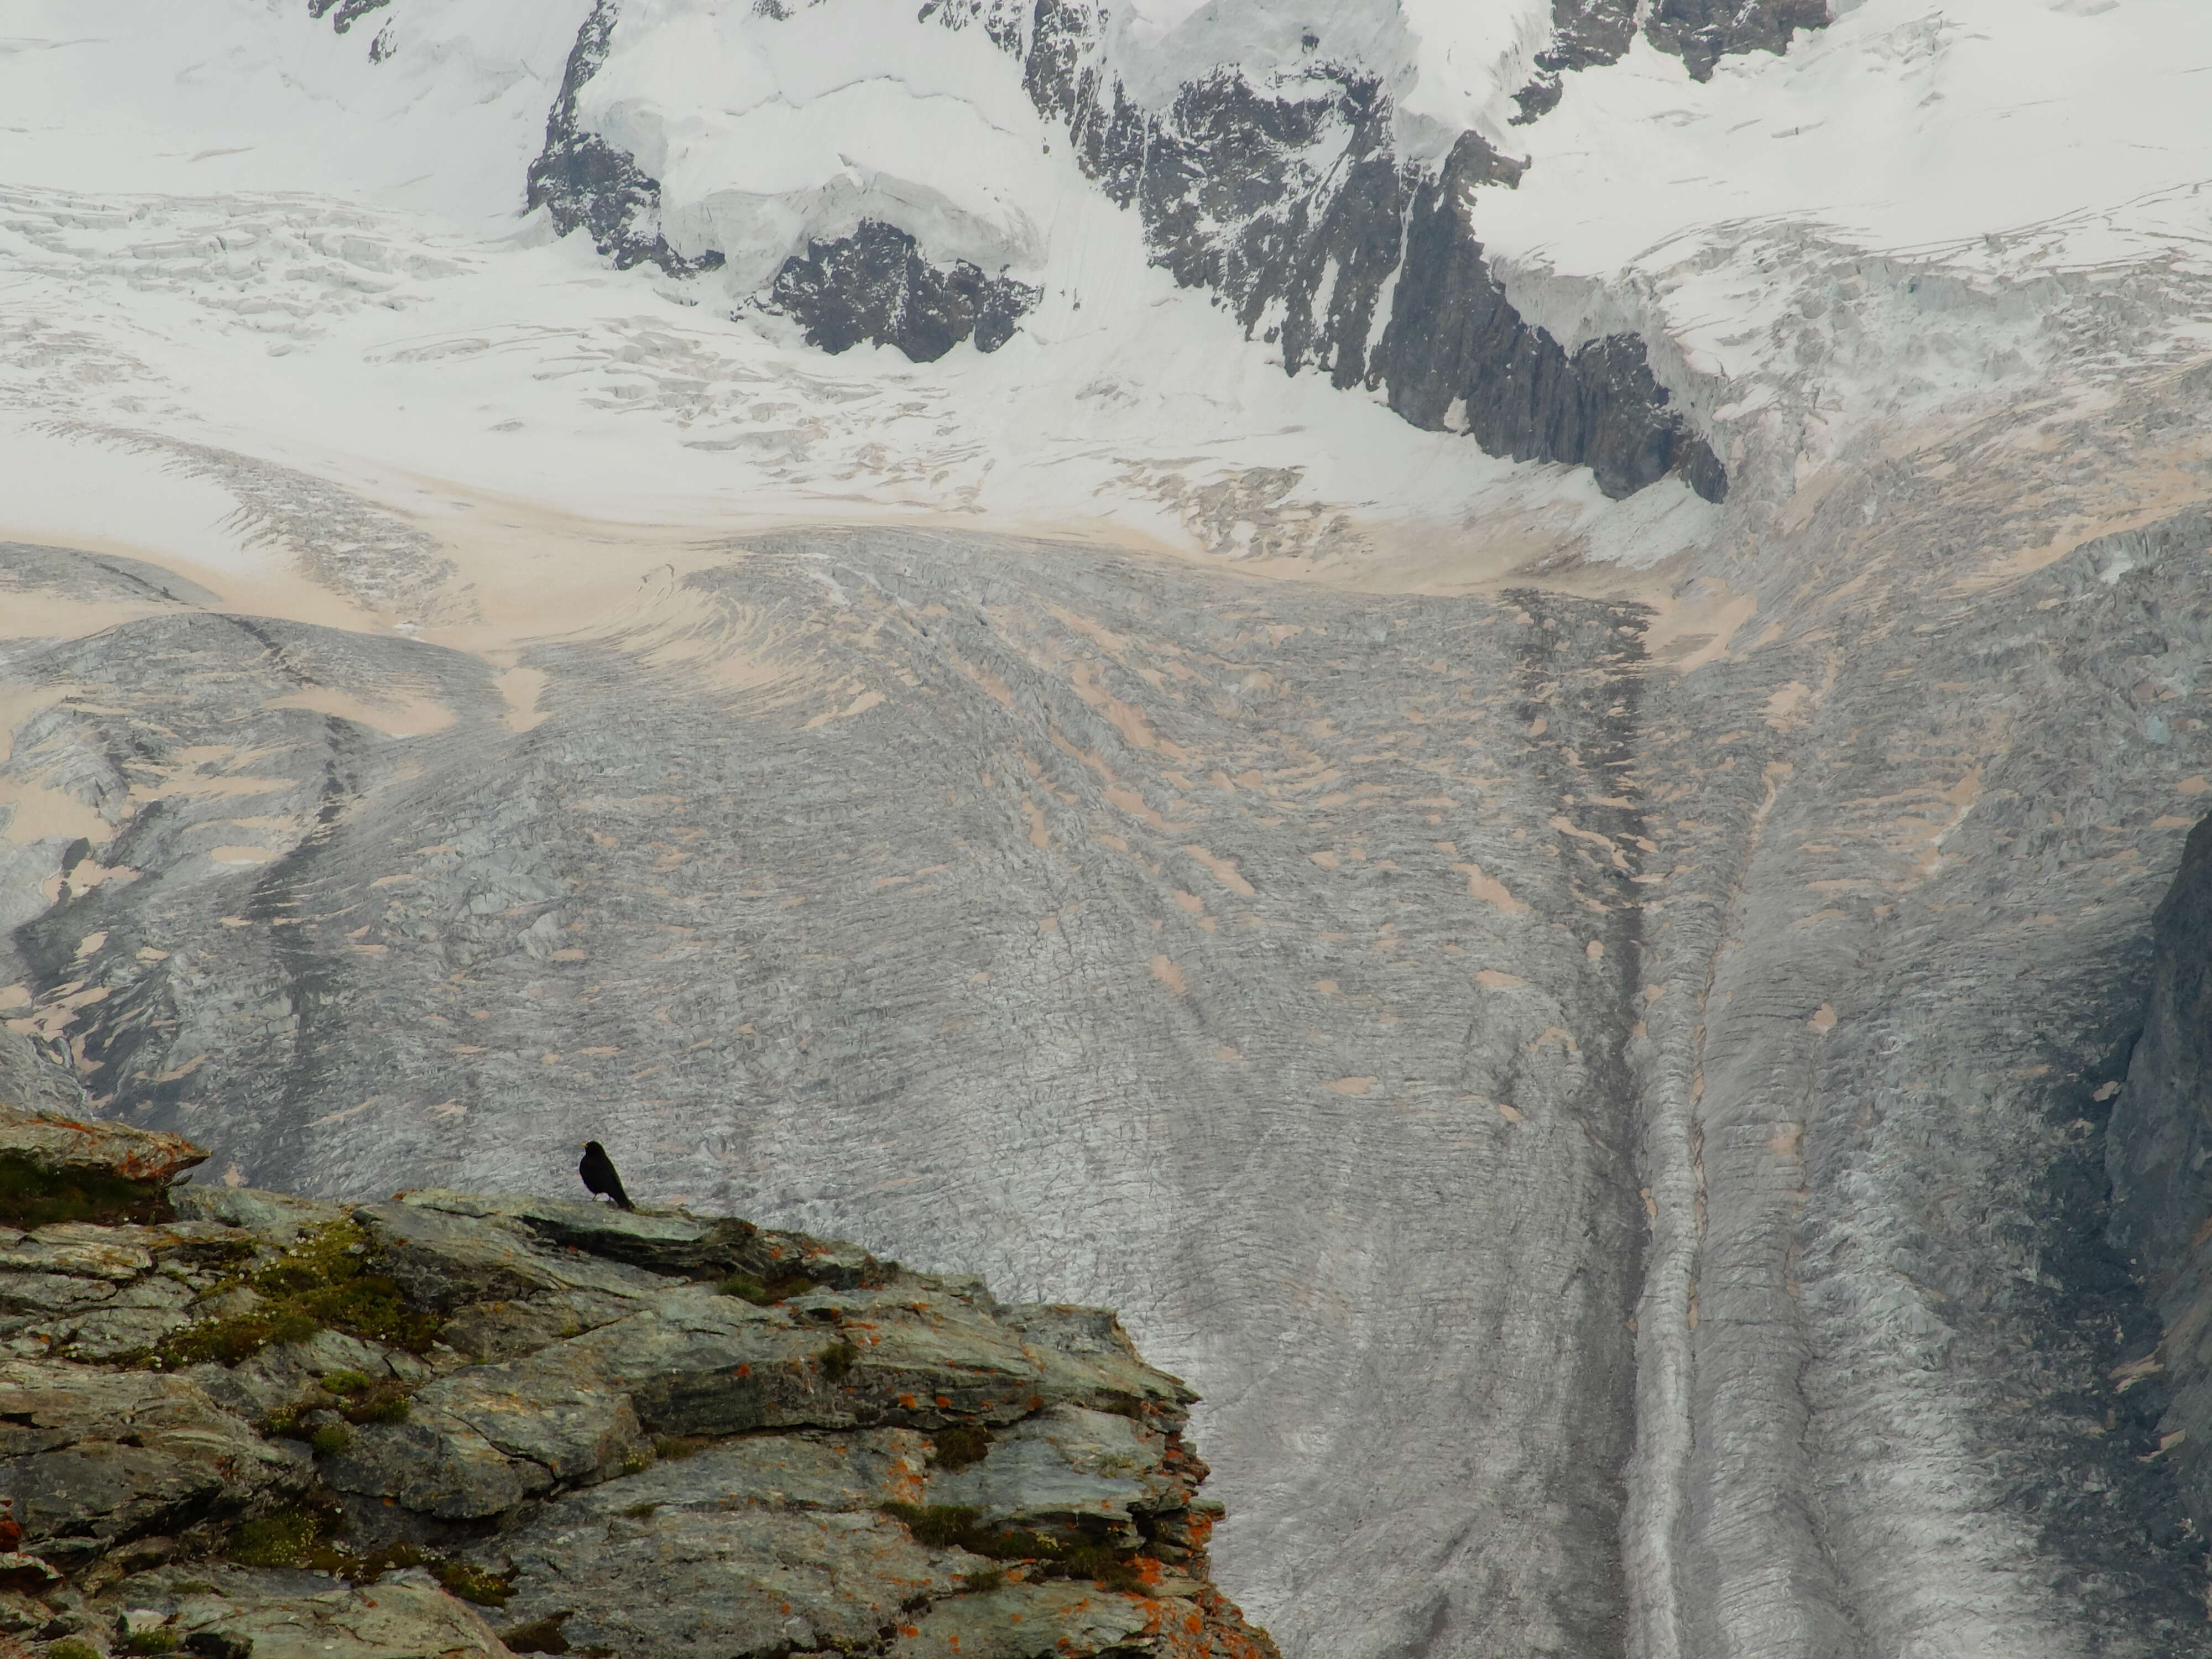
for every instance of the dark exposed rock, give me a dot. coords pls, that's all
(348, 12)
(871, 285)
(2159, 1151)
(1457, 355)
(1585, 33)
(1289, 201)
(875, 285)
(2163, 1123)
(1703, 31)
(1591, 33)
(583, 180)
(1588, 32)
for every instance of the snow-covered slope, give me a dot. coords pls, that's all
(1202, 180)
(1546, 656)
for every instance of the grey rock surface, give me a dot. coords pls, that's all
(1072, 1620)
(91, 1459)
(1065, 1462)
(735, 1579)
(215, 1508)
(224, 1612)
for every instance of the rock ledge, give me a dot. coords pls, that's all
(237, 1423)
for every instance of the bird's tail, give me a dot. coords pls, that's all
(619, 1196)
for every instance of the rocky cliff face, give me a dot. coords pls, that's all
(234, 1423)
(2157, 1158)
(586, 184)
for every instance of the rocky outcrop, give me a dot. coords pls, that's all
(55, 1169)
(1457, 357)
(452, 1424)
(345, 13)
(1703, 31)
(1286, 197)
(584, 182)
(1590, 34)
(2158, 1151)
(875, 285)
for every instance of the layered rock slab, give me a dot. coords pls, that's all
(643, 1463)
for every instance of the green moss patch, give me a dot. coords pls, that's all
(763, 1293)
(940, 1526)
(539, 1636)
(471, 1583)
(311, 1539)
(954, 1526)
(291, 1537)
(323, 1282)
(838, 1360)
(31, 1196)
(961, 1446)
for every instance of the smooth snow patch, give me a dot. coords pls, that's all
(1902, 126)
(66, 491)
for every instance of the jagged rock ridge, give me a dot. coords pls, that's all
(246, 1423)
(1288, 199)
(1590, 34)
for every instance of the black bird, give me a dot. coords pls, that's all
(599, 1172)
